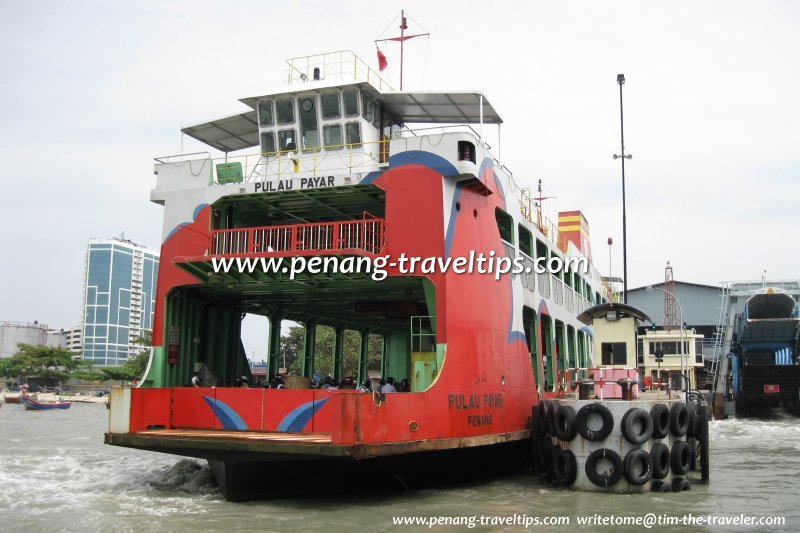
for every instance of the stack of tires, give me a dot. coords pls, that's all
(616, 446)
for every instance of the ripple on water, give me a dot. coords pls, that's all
(56, 474)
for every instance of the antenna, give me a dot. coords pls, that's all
(402, 39)
(670, 315)
(538, 204)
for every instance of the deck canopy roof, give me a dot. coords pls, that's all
(240, 131)
(227, 134)
(602, 310)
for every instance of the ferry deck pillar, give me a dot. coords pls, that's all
(338, 353)
(309, 341)
(274, 345)
(363, 356)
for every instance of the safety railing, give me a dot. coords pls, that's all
(558, 291)
(297, 165)
(528, 274)
(341, 64)
(544, 284)
(367, 234)
(568, 299)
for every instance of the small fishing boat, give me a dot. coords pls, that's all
(11, 399)
(35, 405)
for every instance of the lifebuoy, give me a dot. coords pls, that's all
(582, 422)
(606, 479)
(638, 466)
(565, 422)
(680, 484)
(637, 426)
(679, 419)
(680, 457)
(659, 454)
(565, 467)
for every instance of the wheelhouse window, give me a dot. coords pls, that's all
(284, 109)
(267, 142)
(265, 117)
(376, 114)
(332, 137)
(350, 98)
(525, 241)
(541, 249)
(309, 130)
(505, 225)
(287, 140)
(352, 131)
(330, 106)
(366, 107)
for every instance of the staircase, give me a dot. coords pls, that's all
(722, 335)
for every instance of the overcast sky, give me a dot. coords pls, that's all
(92, 91)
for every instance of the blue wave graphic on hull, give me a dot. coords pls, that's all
(297, 419)
(225, 414)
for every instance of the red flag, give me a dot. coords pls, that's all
(382, 61)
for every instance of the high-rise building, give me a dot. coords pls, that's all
(118, 299)
(74, 334)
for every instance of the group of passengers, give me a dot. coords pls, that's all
(327, 383)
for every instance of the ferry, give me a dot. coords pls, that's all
(765, 369)
(347, 168)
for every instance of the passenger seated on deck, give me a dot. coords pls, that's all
(389, 387)
(366, 386)
(243, 382)
(277, 382)
(334, 385)
(195, 381)
(405, 385)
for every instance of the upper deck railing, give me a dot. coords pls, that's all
(342, 64)
(367, 235)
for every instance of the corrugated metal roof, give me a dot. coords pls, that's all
(700, 303)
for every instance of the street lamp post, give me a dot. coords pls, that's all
(684, 367)
(623, 156)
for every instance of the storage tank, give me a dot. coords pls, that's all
(13, 333)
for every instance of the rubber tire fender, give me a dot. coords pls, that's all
(550, 416)
(565, 467)
(660, 486)
(541, 417)
(691, 429)
(659, 454)
(582, 418)
(627, 426)
(660, 417)
(546, 454)
(629, 464)
(679, 419)
(680, 457)
(604, 480)
(565, 422)
(681, 484)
